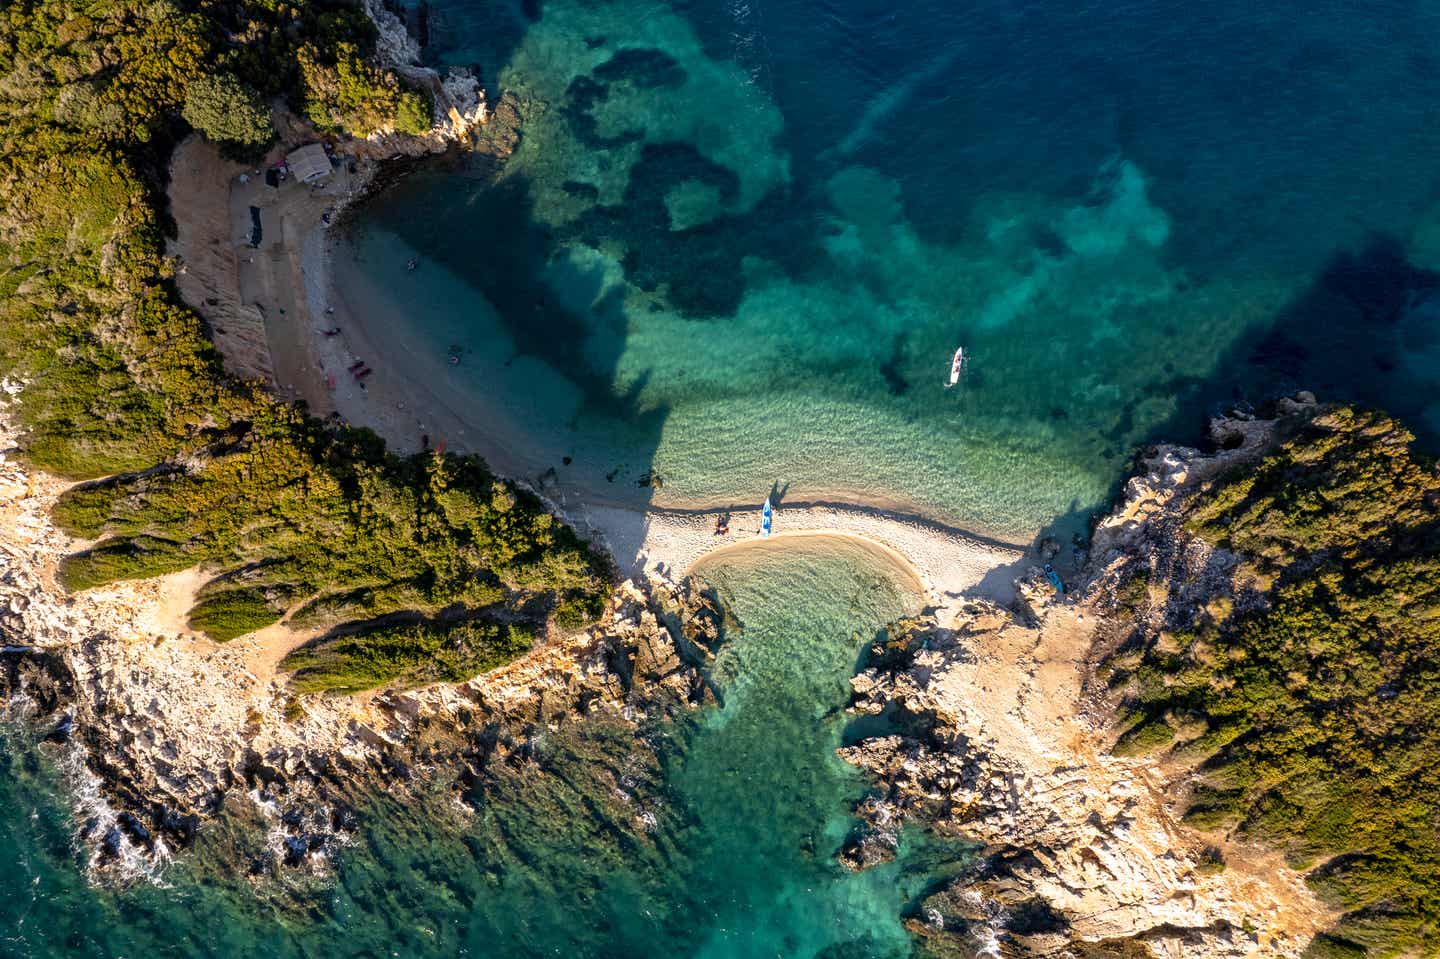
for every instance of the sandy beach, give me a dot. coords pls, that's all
(305, 332)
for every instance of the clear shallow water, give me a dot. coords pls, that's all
(739, 242)
(755, 803)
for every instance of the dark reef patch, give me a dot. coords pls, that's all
(890, 369)
(644, 68)
(580, 99)
(647, 68)
(699, 267)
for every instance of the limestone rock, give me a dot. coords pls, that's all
(158, 728)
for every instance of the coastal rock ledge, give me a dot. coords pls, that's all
(1001, 733)
(998, 731)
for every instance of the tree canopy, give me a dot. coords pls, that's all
(227, 111)
(1307, 698)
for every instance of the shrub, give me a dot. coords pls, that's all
(1145, 738)
(224, 616)
(343, 92)
(226, 111)
(577, 612)
(114, 560)
(1321, 704)
(1330, 947)
(83, 511)
(404, 656)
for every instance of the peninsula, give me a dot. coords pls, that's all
(261, 592)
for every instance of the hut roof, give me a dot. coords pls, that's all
(309, 162)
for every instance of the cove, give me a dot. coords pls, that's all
(754, 806)
(735, 246)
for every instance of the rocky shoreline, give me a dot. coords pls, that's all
(1002, 735)
(159, 730)
(998, 735)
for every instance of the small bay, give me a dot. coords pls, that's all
(736, 246)
(742, 864)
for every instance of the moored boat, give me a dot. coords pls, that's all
(956, 365)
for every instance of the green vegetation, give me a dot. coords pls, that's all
(405, 655)
(227, 111)
(1313, 713)
(191, 468)
(1145, 738)
(232, 613)
(343, 92)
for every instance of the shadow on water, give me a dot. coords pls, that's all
(480, 36)
(558, 866)
(1365, 331)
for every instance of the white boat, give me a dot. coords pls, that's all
(956, 365)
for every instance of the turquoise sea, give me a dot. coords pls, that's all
(736, 246)
(740, 240)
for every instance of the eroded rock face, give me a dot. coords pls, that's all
(164, 739)
(998, 737)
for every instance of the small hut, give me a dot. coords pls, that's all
(308, 163)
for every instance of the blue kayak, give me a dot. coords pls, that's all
(766, 514)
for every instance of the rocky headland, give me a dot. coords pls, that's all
(160, 730)
(1001, 732)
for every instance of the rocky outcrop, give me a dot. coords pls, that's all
(159, 730)
(460, 108)
(999, 737)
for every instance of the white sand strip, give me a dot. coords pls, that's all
(407, 397)
(667, 544)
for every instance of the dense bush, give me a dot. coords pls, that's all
(223, 616)
(226, 111)
(1316, 713)
(343, 92)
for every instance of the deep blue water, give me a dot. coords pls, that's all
(737, 245)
